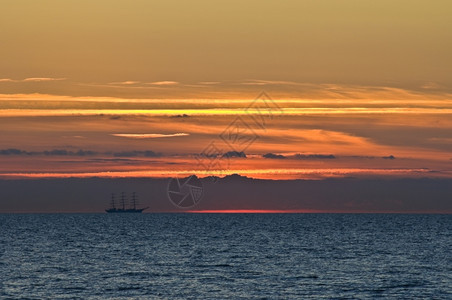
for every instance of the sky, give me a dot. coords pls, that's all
(278, 90)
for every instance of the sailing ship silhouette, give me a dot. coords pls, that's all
(132, 208)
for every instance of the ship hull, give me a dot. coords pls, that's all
(121, 211)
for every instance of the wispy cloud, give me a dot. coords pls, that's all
(39, 79)
(148, 135)
(32, 79)
(270, 82)
(209, 82)
(227, 90)
(166, 82)
(128, 82)
(441, 140)
(431, 86)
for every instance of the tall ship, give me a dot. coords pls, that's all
(121, 208)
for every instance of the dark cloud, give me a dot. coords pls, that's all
(64, 152)
(206, 155)
(314, 156)
(150, 153)
(126, 154)
(111, 160)
(299, 156)
(274, 156)
(129, 161)
(85, 152)
(389, 157)
(180, 116)
(56, 152)
(370, 157)
(12, 152)
(235, 154)
(135, 153)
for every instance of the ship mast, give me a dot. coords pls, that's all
(112, 203)
(123, 201)
(134, 201)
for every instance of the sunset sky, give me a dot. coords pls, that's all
(305, 89)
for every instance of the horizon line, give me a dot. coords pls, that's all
(244, 211)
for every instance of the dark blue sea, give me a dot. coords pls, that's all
(219, 256)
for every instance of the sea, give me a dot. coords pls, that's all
(225, 256)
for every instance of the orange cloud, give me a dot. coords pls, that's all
(32, 79)
(148, 135)
(167, 82)
(256, 173)
(129, 82)
(39, 79)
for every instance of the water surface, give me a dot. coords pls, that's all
(273, 256)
